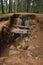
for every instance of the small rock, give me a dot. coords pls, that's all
(37, 46)
(19, 47)
(26, 39)
(35, 37)
(25, 48)
(24, 45)
(32, 47)
(13, 52)
(29, 53)
(17, 39)
(31, 37)
(38, 57)
(12, 47)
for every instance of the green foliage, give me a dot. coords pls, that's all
(35, 6)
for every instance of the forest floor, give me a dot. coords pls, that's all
(27, 51)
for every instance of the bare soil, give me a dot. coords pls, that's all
(24, 57)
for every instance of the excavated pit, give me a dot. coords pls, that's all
(20, 48)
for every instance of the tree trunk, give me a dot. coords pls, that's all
(10, 6)
(14, 7)
(6, 6)
(27, 5)
(2, 7)
(18, 6)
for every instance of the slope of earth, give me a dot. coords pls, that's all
(25, 51)
(3, 23)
